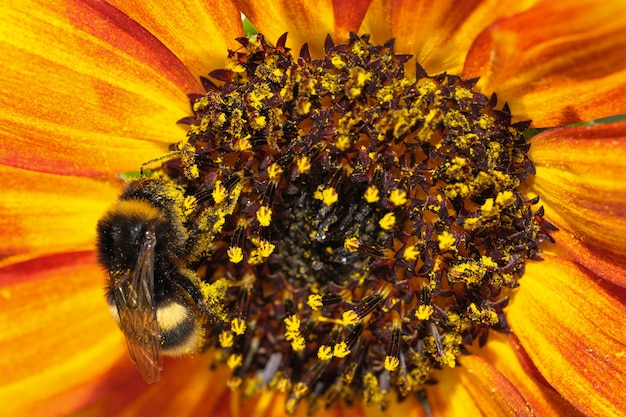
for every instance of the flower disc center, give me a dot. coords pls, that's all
(360, 224)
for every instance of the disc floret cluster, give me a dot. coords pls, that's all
(358, 224)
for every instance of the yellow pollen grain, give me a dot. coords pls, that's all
(201, 104)
(238, 326)
(446, 240)
(485, 122)
(388, 221)
(234, 360)
(398, 197)
(351, 244)
(190, 205)
(219, 192)
(300, 389)
(303, 164)
(385, 94)
(337, 62)
(303, 107)
(341, 350)
(371, 194)
(488, 262)
(448, 359)
(191, 171)
(362, 76)
(462, 93)
(264, 215)
(411, 253)
(274, 171)
(235, 254)
(329, 196)
(315, 301)
(235, 66)
(424, 312)
(349, 318)
(391, 363)
(354, 92)
(226, 339)
(298, 344)
(265, 249)
(469, 272)
(292, 323)
(505, 198)
(471, 223)
(292, 333)
(459, 161)
(325, 353)
(243, 144)
(343, 143)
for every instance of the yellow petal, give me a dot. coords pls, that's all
(581, 179)
(46, 213)
(475, 388)
(438, 33)
(304, 21)
(558, 63)
(198, 32)
(85, 90)
(57, 335)
(505, 354)
(574, 331)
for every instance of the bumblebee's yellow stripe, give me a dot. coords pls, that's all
(136, 207)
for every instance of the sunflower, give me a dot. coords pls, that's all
(92, 89)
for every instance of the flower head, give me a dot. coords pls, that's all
(341, 223)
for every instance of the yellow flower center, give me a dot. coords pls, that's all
(360, 223)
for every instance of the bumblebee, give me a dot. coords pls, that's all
(144, 246)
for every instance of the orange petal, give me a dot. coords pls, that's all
(188, 387)
(305, 22)
(437, 32)
(46, 213)
(570, 67)
(574, 331)
(198, 32)
(603, 263)
(57, 334)
(501, 353)
(349, 15)
(85, 90)
(475, 388)
(582, 182)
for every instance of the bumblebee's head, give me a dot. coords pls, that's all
(122, 230)
(145, 205)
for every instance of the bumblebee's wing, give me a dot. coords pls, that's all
(134, 298)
